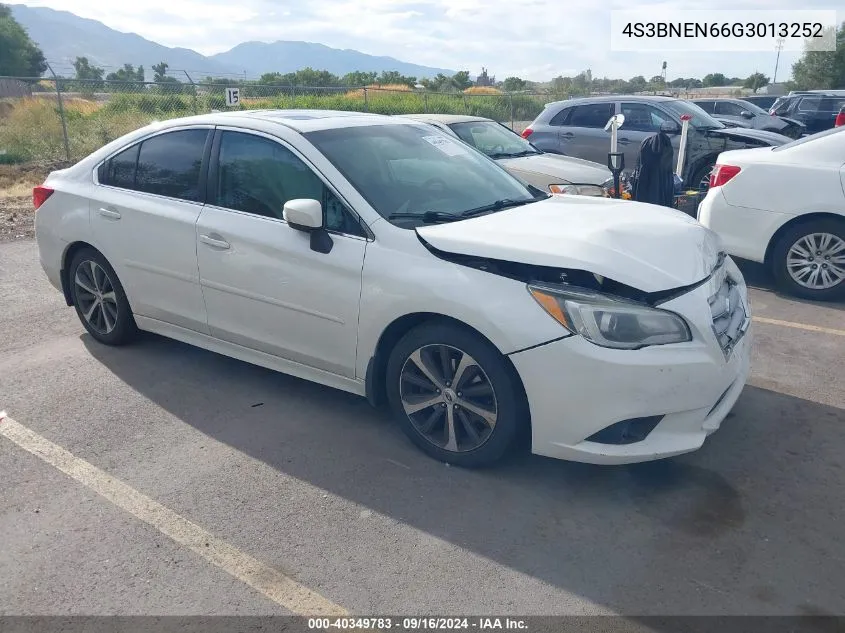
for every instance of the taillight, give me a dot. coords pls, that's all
(840, 119)
(40, 195)
(722, 174)
(527, 132)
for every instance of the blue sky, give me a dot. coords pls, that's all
(534, 39)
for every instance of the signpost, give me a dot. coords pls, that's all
(615, 159)
(682, 150)
(233, 97)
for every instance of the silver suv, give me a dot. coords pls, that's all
(576, 127)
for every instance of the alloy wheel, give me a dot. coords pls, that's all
(95, 296)
(817, 261)
(448, 398)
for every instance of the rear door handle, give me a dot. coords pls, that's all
(216, 242)
(623, 141)
(567, 134)
(109, 213)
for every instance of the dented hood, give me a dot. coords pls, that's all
(644, 246)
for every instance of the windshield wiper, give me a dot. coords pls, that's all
(505, 203)
(428, 217)
(526, 152)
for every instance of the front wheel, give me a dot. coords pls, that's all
(808, 260)
(454, 395)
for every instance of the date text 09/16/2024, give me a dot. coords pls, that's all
(417, 623)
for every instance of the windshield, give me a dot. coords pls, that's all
(414, 174)
(493, 139)
(700, 119)
(753, 108)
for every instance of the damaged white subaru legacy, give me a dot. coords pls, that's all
(379, 256)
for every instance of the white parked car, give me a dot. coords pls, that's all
(550, 172)
(785, 206)
(382, 257)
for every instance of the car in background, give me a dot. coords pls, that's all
(744, 114)
(761, 101)
(785, 207)
(382, 257)
(816, 110)
(549, 172)
(840, 118)
(576, 127)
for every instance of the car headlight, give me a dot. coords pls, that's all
(579, 190)
(608, 321)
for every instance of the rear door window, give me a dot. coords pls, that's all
(594, 115)
(169, 164)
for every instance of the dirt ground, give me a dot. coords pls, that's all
(16, 212)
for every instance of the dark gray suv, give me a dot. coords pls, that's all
(575, 127)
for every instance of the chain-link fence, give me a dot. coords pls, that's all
(66, 119)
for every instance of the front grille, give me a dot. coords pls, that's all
(730, 317)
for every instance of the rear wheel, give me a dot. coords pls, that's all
(808, 260)
(454, 395)
(99, 298)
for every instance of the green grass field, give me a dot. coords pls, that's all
(31, 129)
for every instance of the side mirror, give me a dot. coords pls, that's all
(670, 127)
(306, 215)
(745, 114)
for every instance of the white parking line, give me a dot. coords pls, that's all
(799, 326)
(271, 583)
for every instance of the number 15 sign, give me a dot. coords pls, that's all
(233, 97)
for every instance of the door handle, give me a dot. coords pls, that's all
(567, 134)
(623, 141)
(109, 213)
(215, 242)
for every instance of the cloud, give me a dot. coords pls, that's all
(536, 39)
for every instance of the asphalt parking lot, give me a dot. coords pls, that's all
(163, 479)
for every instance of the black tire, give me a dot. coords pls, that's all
(511, 407)
(700, 174)
(123, 328)
(781, 250)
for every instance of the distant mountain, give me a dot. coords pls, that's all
(285, 57)
(64, 36)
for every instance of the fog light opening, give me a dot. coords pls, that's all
(626, 431)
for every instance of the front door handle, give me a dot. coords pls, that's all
(567, 134)
(109, 213)
(216, 242)
(623, 141)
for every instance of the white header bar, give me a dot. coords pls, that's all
(722, 31)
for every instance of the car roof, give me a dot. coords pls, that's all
(446, 119)
(299, 120)
(603, 98)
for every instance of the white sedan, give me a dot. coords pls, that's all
(785, 207)
(550, 172)
(382, 257)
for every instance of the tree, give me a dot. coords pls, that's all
(127, 73)
(821, 69)
(637, 84)
(359, 78)
(160, 72)
(19, 56)
(460, 80)
(393, 77)
(756, 81)
(714, 79)
(513, 84)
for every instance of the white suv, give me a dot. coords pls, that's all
(383, 257)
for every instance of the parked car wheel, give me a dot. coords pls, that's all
(701, 177)
(99, 298)
(454, 395)
(808, 260)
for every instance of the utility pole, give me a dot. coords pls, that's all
(777, 59)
